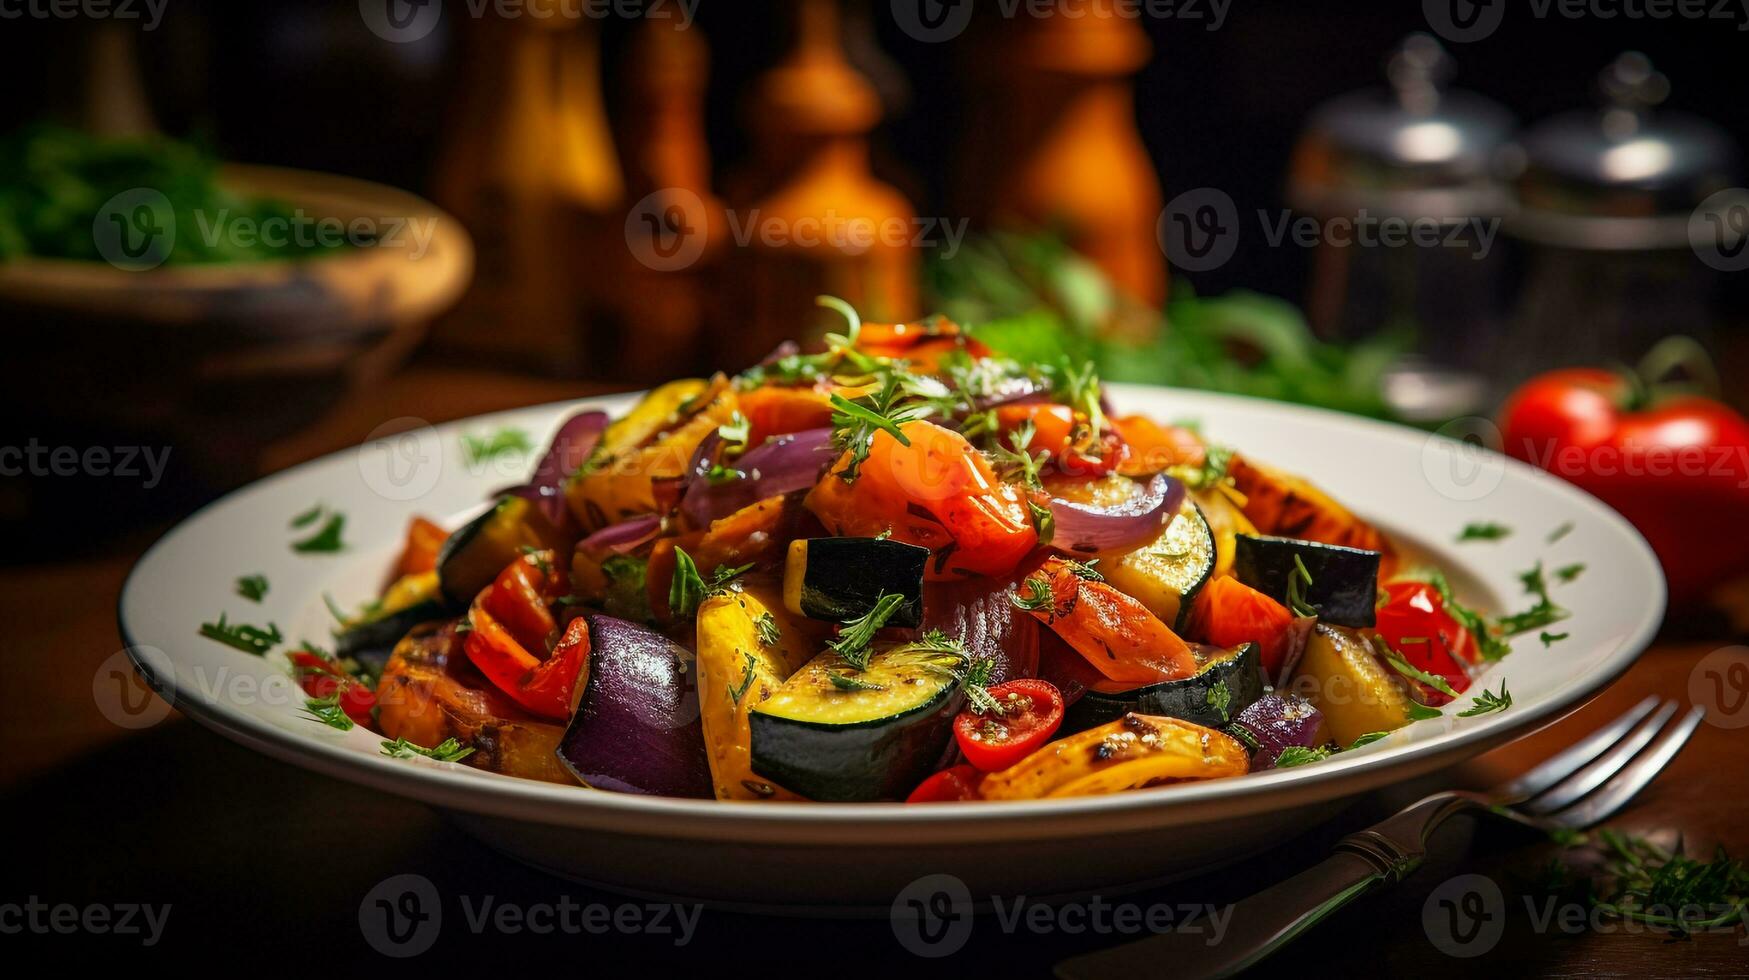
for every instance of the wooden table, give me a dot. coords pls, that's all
(266, 865)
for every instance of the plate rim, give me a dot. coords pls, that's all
(491, 794)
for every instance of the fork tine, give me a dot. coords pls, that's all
(1570, 790)
(1570, 759)
(1621, 789)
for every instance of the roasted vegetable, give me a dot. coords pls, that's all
(412, 600)
(1130, 753)
(841, 579)
(1225, 683)
(637, 729)
(1166, 575)
(1226, 521)
(834, 733)
(1115, 633)
(474, 555)
(1291, 507)
(429, 692)
(1344, 680)
(1342, 584)
(620, 481)
(747, 647)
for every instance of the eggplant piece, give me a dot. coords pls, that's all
(637, 729)
(474, 555)
(1345, 581)
(1226, 683)
(833, 733)
(841, 579)
(981, 614)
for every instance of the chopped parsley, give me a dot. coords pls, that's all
(477, 449)
(1550, 639)
(1543, 613)
(252, 587)
(1488, 701)
(1560, 532)
(1396, 662)
(1567, 573)
(308, 517)
(328, 711)
(449, 750)
(326, 540)
(1299, 755)
(1220, 698)
(241, 636)
(1484, 531)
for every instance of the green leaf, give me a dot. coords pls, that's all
(241, 636)
(687, 589)
(1486, 531)
(252, 587)
(327, 540)
(1488, 701)
(853, 640)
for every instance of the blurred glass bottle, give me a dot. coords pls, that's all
(1414, 155)
(1626, 216)
(808, 217)
(1055, 144)
(530, 168)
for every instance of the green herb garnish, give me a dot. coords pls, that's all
(1550, 639)
(855, 636)
(1298, 581)
(1299, 755)
(766, 626)
(1484, 531)
(252, 587)
(308, 517)
(1220, 698)
(327, 540)
(1567, 573)
(449, 750)
(1368, 739)
(241, 636)
(328, 711)
(736, 693)
(1038, 595)
(845, 682)
(477, 449)
(1560, 532)
(1488, 701)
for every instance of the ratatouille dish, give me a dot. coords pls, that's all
(897, 567)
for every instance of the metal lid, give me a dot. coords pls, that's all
(1414, 149)
(1622, 176)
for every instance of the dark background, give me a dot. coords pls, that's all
(303, 83)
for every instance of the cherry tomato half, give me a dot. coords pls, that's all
(1029, 711)
(1063, 432)
(1413, 620)
(948, 786)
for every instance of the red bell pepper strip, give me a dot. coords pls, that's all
(322, 678)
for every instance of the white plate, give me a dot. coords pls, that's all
(1421, 489)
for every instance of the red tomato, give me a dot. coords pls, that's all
(1030, 712)
(1114, 632)
(1414, 622)
(543, 688)
(1063, 432)
(939, 493)
(948, 786)
(321, 678)
(1228, 612)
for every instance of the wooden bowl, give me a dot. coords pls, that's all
(220, 360)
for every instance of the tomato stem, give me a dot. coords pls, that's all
(1672, 354)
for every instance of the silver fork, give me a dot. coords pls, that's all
(1586, 784)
